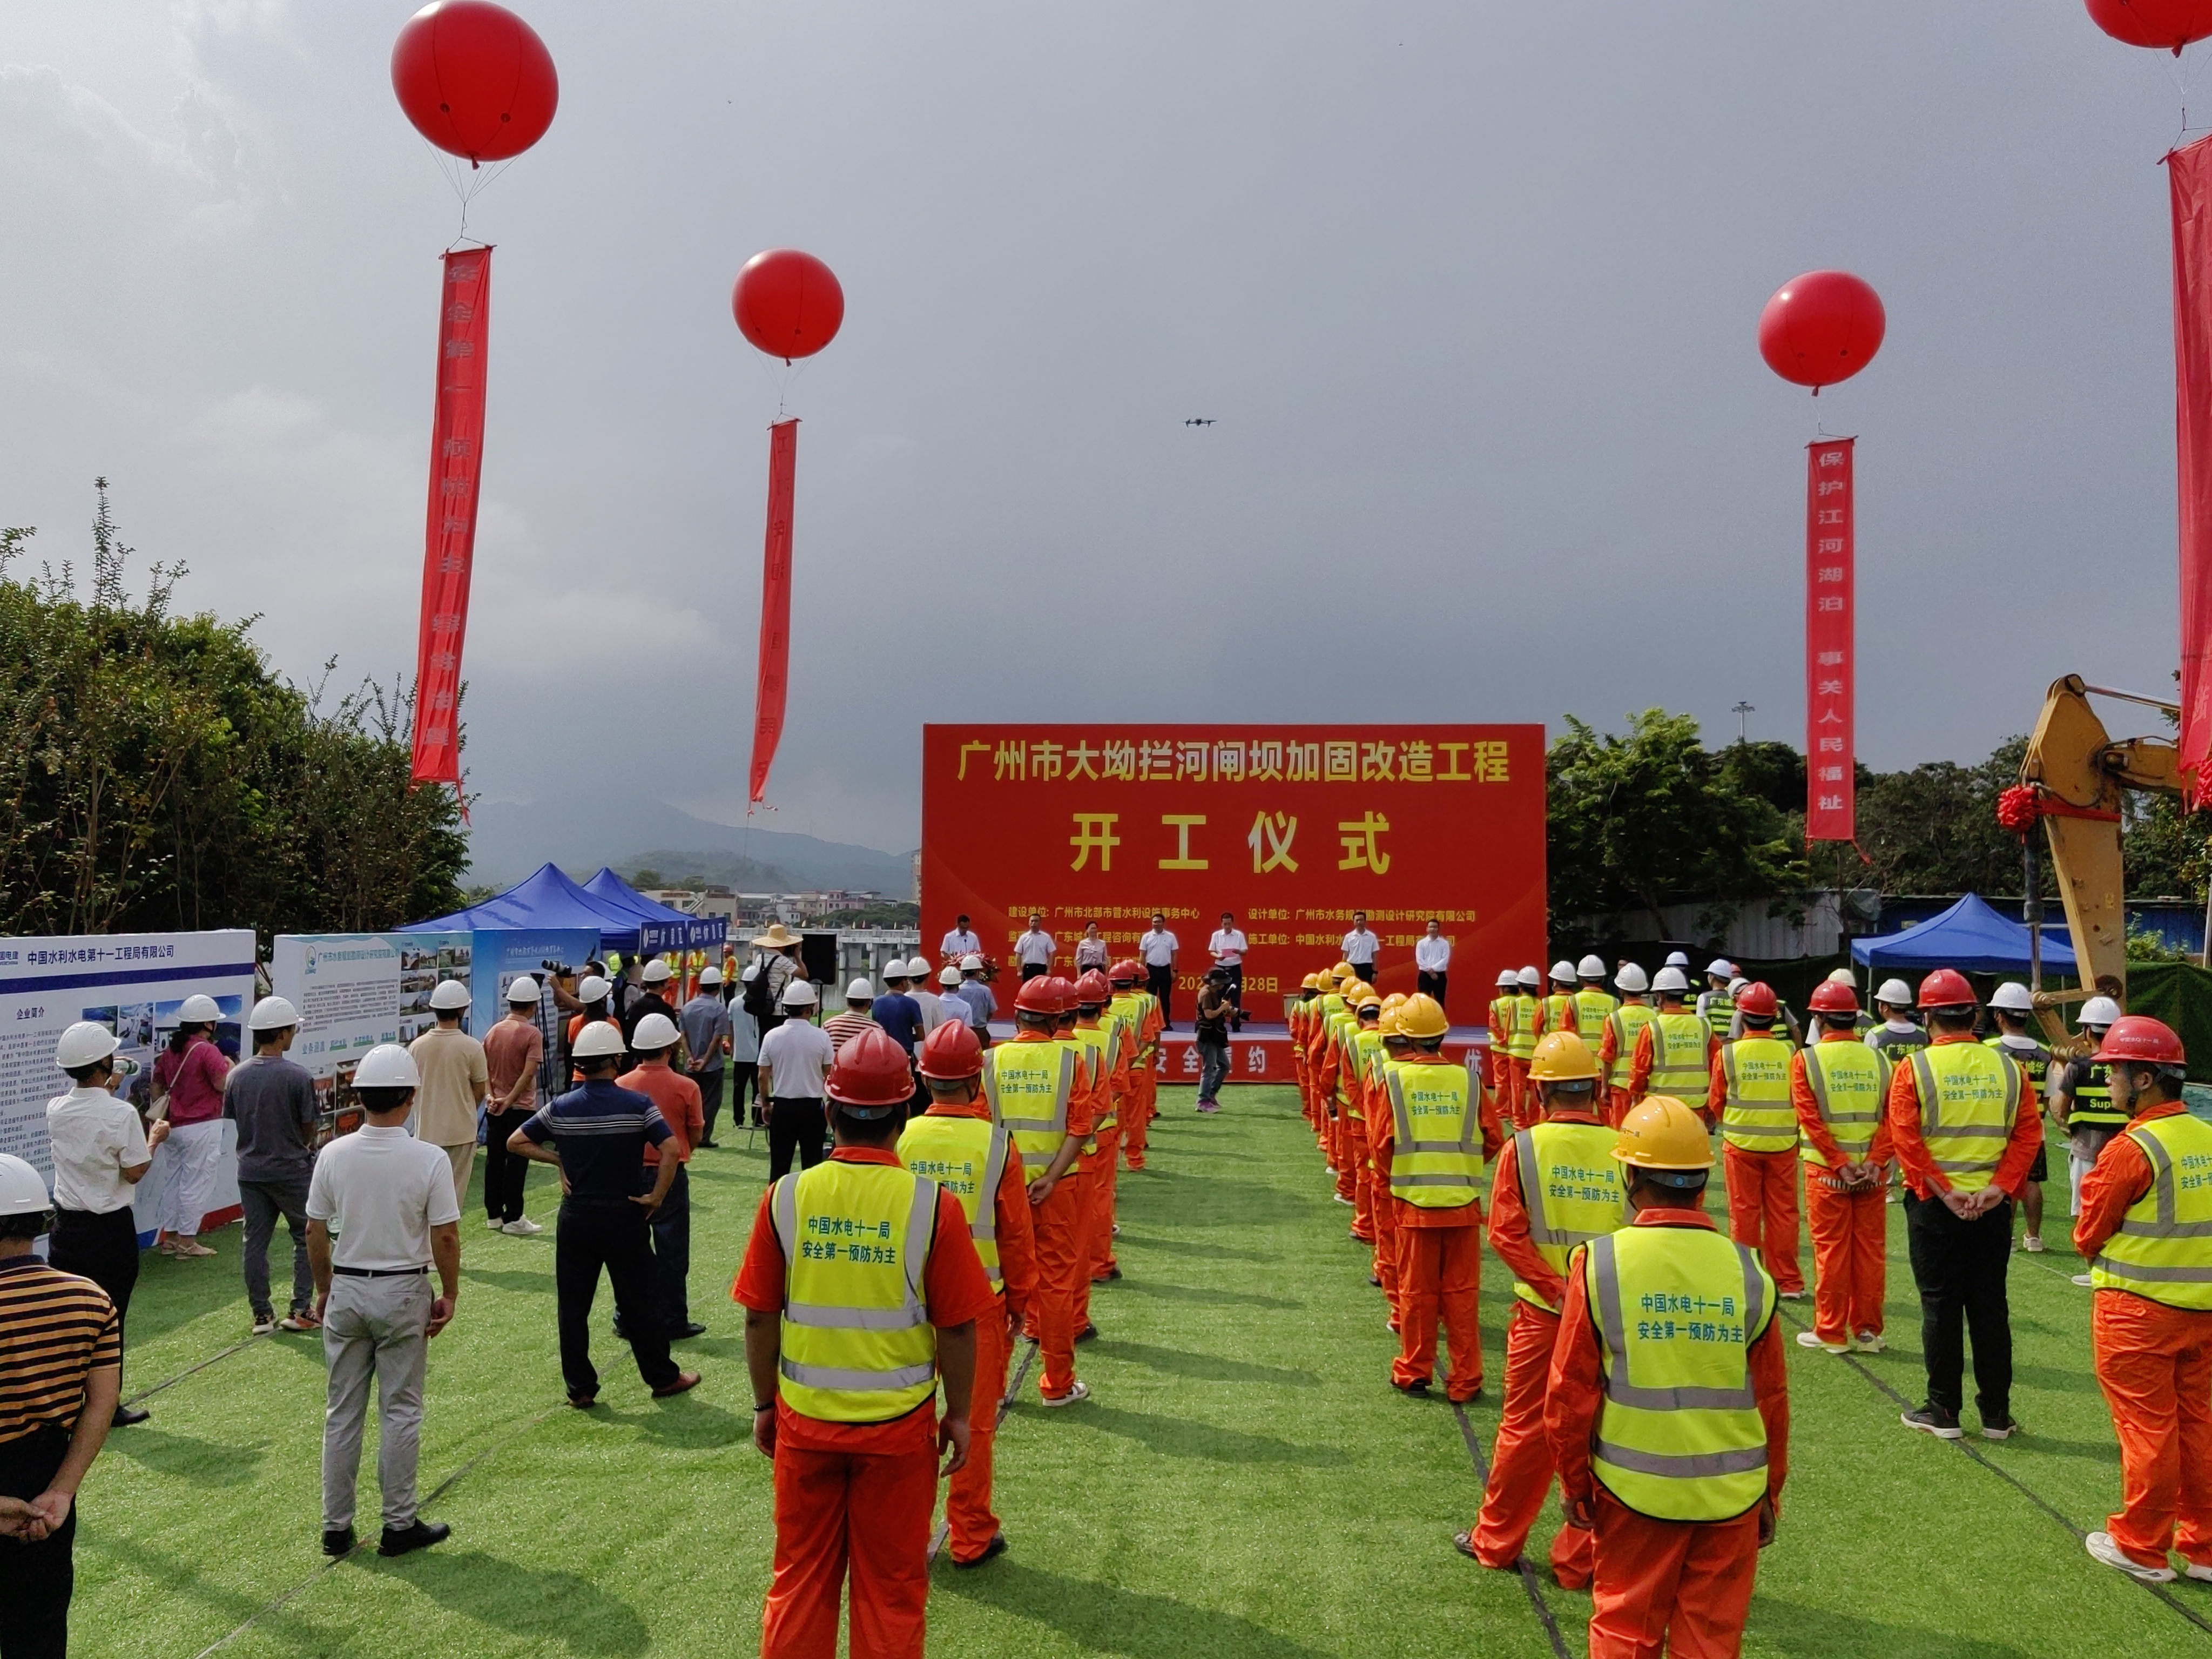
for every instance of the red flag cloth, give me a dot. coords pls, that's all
(1831, 643)
(2190, 175)
(449, 536)
(776, 603)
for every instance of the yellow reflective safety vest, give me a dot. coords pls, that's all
(1626, 1022)
(1571, 1186)
(2163, 1248)
(966, 1156)
(1757, 1116)
(1436, 1148)
(1677, 1309)
(858, 1345)
(1680, 1066)
(1101, 1045)
(1559, 1013)
(1592, 1010)
(1521, 1043)
(1969, 1096)
(1501, 1022)
(1850, 1086)
(1343, 1026)
(1368, 1051)
(1029, 1085)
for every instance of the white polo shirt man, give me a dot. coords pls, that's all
(961, 942)
(1033, 951)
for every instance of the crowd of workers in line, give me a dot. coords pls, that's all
(1644, 1366)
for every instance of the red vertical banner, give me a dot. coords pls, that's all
(449, 537)
(2189, 173)
(776, 603)
(1831, 643)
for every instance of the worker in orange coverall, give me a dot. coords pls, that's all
(1504, 1008)
(2145, 1230)
(1320, 1029)
(1838, 1086)
(956, 1144)
(1363, 1047)
(1295, 1018)
(1106, 1046)
(1393, 1045)
(1671, 1431)
(1092, 1083)
(1142, 1009)
(1558, 1185)
(1750, 1094)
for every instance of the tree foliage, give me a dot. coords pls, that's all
(156, 774)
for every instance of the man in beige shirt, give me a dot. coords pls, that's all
(455, 1080)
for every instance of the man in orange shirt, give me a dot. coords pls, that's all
(653, 1042)
(1688, 1076)
(1837, 1085)
(2146, 1229)
(851, 1425)
(1748, 1087)
(956, 1144)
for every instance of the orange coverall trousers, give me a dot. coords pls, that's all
(1762, 1201)
(2155, 1363)
(1104, 1181)
(1520, 1467)
(1618, 1108)
(840, 1513)
(1061, 1238)
(1087, 1246)
(1515, 1092)
(1137, 1115)
(968, 1509)
(1440, 1276)
(1387, 1233)
(1362, 1180)
(1680, 1587)
(1341, 1127)
(1850, 1271)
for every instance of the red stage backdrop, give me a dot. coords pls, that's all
(1831, 644)
(2189, 173)
(449, 538)
(1291, 827)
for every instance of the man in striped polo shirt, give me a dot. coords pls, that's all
(61, 1369)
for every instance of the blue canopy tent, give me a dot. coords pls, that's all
(544, 899)
(1969, 936)
(661, 927)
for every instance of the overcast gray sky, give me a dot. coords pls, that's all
(1471, 289)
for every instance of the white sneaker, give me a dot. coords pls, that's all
(264, 1327)
(1793, 1296)
(523, 1227)
(2101, 1547)
(1340, 1198)
(2031, 1244)
(2195, 1569)
(1808, 1340)
(1869, 1342)
(2084, 1281)
(494, 1222)
(1080, 1391)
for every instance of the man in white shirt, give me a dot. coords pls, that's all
(1432, 961)
(961, 940)
(795, 1060)
(1229, 947)
(1033, 949)
(1358, 948)
(381, 1211)
(931, 1004)
(1157, 950)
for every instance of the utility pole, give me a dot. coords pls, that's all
(1742, 712)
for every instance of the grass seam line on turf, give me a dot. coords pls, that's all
(1528, 1579)
(191, 1370)
(1006, 1404)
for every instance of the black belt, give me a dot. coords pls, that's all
(379, 1273)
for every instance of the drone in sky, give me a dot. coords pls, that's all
(1200, 421)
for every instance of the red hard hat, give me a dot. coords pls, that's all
(2139, 1040)
(1036, 996)
(1124, 972)
(1063, 993)
(951, 1052)
(871, 1070)
(1833, 996)
(1092, 988)
(1758, 1001)
(1946, 988)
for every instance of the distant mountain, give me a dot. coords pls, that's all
(508, 840)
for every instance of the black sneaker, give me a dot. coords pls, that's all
(129, 1417)
(337, 1540)
(997, 1547)
(1933, 1420)
(420, 1536)
(1088, 1334)
(2000, 1428)
(688, 1329)
(1420, 1390)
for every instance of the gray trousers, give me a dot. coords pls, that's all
(265, 1202)
(381, 1325)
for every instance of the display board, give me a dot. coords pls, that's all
(1292, 827)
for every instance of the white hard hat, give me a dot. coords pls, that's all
(2012, 997)
(860, 991)
(918, 968)
(653, 1031)
(800, 993)
(1670, 978)
(1843, 976)
(593, 989)
(22, 1190)
(85, 1043)
(451, 995)
(972, 963)
(2100, 1011)
(1632, 979)
(750, 973)
(602, 1039)
(1677, 959)
(1532, 976)
(197, 1010)
(896, 968)
(1738, 984)
(1896, 992)
(1591, 966)
(524, 989)
(1507, 976)
(1563, 969)
(387, 1066)
(656, 971)
(1721, 966)
(710, 976)
(950, 976)
(272, 1014)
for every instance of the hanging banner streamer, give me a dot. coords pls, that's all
(776, 603)
(2189, 173)
(1831, 643)
(450, 531)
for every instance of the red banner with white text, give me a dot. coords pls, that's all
(449, 537)
(2189, 173)
(775, 603)
(1831, 643)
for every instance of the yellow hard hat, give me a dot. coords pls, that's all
(1561, 1057)
(1389, 1024)
(1423, 1017)
(1663, 1133)
(1342, 972)
(1393, 1001)
(1311, 983)
(1369, 998)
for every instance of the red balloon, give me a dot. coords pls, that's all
(787, 303)
(1820, 328)
(2169, 24)
(475, 79)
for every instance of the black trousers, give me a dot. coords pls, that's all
(1960, 1266)
(1363, 971)
(744, 1080)
(1234, 989)
(671, 1252)
(710, 1099)
(503, 1170)
(609, 1233)
(795, 1123)
(1036, 969)
(1160, 981)
(36, 1580)
(103, 1249)
(1428, 984)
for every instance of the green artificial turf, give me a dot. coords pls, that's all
(1243, 1484)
